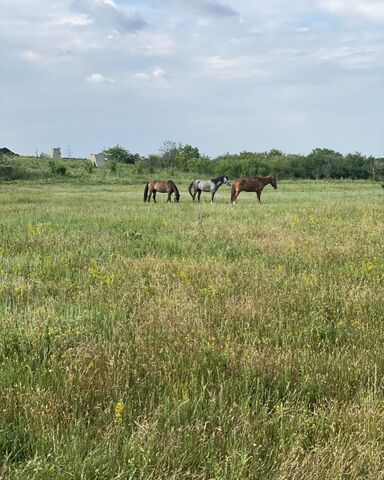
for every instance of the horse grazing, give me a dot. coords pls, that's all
(251, 184)
(198, 186)
(163, 187)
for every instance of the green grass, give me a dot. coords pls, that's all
(185, 341)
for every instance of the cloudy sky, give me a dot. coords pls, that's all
(222, 75)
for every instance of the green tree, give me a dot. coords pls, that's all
(375, 167)
(323, 163)
(274, 152)
(186, 156)
(121, 155)
(168, 152)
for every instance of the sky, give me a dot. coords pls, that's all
(225, 76)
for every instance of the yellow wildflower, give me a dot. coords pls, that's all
(119, 409)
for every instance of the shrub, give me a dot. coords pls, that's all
(57, 169)
(10, 171)
(89, 166)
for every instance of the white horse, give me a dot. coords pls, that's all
(198, 186)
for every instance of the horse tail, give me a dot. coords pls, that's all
(233, 192)
(146, 192)
(190, 189)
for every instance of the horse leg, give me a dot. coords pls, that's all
(149, 196)
(154, 196)
(235, 195)
(198, 195)
(258, 193)
(169, 197)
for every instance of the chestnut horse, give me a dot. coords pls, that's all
(251, 184)
(162, 187)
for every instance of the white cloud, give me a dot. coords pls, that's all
(370, 9)
(156, 74)
(212, 8)
(155, 43)
(99, 78)
(216, 8)
(302, 29)
(203, 22)
(31, 56)
(352, 58)
(70, 20)
(107, 14)
(46, 57)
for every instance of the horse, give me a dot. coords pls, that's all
(251, 184)
(161, 186)
(198, 186)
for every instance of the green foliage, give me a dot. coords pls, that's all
(89, 166)
(56, 168)
(6, 168)
(375, 167)
(168, 153)
(121, 155)
(186, 158)
(112, 164)
(140, 168)
(10, 170)
(319, 164)
(187, 162)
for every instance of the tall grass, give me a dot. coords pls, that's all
(169, 341)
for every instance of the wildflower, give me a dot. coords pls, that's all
(119, 409)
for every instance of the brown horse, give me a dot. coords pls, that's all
(251, 184)
(162, 187)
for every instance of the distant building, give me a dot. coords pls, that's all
(98, 159)
(56, 153)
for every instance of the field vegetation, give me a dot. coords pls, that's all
(185, 341)
(173, 158)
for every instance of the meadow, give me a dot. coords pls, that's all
(184, 341)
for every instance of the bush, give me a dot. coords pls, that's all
(61, 170)
(9, 171)
(57, 169)
(89, 167)
(112, 166)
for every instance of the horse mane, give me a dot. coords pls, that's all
(218, 178)
(174, 187)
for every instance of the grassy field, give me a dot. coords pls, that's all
(184, 341)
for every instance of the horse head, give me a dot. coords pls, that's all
(226, 180)
(273, 181)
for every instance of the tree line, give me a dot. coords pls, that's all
(320, 163)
